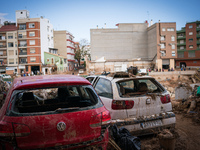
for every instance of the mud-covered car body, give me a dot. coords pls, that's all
(53, 112)
(139, 103)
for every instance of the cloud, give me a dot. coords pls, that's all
(3, 17)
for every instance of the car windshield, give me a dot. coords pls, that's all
(52, 99)
(128, 88)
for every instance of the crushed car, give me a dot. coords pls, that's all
(139, 103)
(53, 112)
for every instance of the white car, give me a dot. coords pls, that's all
(140, 103)
(5, 76)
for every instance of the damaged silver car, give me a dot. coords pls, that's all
(139, 103)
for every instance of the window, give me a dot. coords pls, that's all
(162, 38)
(173, 53)
(191, 54)
(70, 97)
(22, 27)
(11, 52)
(33, 59)
(172, 38)
(31, 25)
(190, 40)
(190, 46)
(31, 33)
(190, 26)
(170, 29)
(173, 46)
(11, 61)
(180, 55)
(32, 42)
(103, 88)
(32, 50)
(162, 45)
(163, 53)
(1, 52)
(163, 29)
(190, 33)
(10, 36)
(47, 59)
(10, 44)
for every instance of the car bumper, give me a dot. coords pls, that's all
(147, 125)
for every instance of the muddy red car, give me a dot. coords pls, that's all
(53, 112)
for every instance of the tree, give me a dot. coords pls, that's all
(82, 50)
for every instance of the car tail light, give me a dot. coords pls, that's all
(100, 119)
(6, 129)
(21, 130)
(125, 104)
(165, 99)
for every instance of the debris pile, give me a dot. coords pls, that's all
(187, 101)
(4, 87)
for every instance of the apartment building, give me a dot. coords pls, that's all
(188, 46)
(35, 36)
(133, 44)
(162, 48)
(8, 48)
(64, 42)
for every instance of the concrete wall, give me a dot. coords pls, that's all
(128, 41)
(60, 42)
(152, 41)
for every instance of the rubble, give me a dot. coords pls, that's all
(4, 87)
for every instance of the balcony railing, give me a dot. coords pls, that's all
(22, 36)
(22, 45)
(2, 38)
(181, 37)
(3, 46)
(22, 53)
(22, 28)
(179, 44)
(23, 62)
(180, 31)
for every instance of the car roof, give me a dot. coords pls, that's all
(48, 81)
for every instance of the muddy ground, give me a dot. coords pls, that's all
(187, 128)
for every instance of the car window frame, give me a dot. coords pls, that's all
(95, 84)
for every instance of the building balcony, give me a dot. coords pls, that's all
(181, 44)
(22, 28)
(181, 50)
(4, 63)
(22, 45)
(198, 42)
(3, 46)
(180, 37)
(180, 31)
(22, 37)
(23, 62)
(2, 38)
(22, 53)
(197, 29)
(198, 35)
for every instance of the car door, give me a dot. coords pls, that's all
(105, 90)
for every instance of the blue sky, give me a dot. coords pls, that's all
(79, 16)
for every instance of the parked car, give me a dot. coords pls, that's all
(139, 103)
(5, 76)
(53, 112)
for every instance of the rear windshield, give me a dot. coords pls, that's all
(128, 88)
(57, 99)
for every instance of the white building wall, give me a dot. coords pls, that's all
(46, 36)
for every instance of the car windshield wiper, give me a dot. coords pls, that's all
(61, 110)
